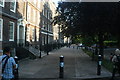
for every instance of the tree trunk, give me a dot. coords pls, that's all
(118, 44)
(101, 44)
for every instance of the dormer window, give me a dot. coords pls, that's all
(2, 3)
(13, 6)
(1, 28)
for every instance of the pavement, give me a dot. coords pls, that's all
(78, 65)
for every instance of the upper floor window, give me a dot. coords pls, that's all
(1, 27)
(2, 3)
(37, 34)
(34, 2)
(38, 4)
(13, 5)
(46, 13)
(34, 15)
(43, 24)
(38, 17)
(29, 12)
(11, 34)
(43, 11)
(33, 34)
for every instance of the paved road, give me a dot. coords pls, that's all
(77, 65)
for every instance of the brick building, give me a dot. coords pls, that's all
(8, 24)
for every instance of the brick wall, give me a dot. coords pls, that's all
(6, 29)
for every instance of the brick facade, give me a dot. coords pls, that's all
(8, 16)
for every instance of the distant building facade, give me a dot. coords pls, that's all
(55, 27)
(33, 22)
(46, 26)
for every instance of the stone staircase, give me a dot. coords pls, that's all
(35, 52)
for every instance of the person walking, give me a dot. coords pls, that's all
(1, 52)
(8, 64)
(116, 62)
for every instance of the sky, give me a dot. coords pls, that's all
(56, 2)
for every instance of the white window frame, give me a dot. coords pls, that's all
(37, 33)
(13, 31)
(34, 2)
(43, 24)
(28, 34)
(43, 11)
(38, 5)
(14, 7)
(1, 29)
(28, 12)
(33, 34)
(3, 3)
(38, 16)
(46, 13)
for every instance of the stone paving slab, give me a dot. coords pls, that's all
(78, 65)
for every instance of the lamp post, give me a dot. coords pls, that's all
(59, 36)
(40, 38)
(47, 34)
(47, 39)
(40, 42)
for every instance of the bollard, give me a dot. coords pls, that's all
(99, 65)
(15, 71)
(61, 73)
(93, 55)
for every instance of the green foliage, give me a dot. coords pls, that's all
(77, 39)
(110, 43)
(106, 63)
(88, 41)
(87, 18)
(87, 52)
(97, 20)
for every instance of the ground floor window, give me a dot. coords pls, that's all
(1, 27)
(11, 32)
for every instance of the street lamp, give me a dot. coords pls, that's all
(47, 34)
(50, 22)
(40, 42)
(59, 40)
(47, 38)
(40, 37)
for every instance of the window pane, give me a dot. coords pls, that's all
(33, 34)
(34, 1)
(0, 29)
(29, 14)
(1, 2)
(12, 5)
(11, 30)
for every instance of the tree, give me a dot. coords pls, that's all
(88, 19)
